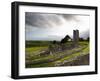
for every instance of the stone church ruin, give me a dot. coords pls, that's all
(55, 48)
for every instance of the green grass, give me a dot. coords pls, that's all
(37, 43)
(82, 52)
(50, 64)
(43, 61)
(35, 49)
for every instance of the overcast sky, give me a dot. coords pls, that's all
(39, 26)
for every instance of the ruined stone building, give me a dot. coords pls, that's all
(75, 37)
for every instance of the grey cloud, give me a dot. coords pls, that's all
(48, 20)
(73, 17)
(70, 17)
(85, 34)
(41, 20)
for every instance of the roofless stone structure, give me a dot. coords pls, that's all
(75, 37)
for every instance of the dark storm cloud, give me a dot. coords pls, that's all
(48, 20)
(42, 20)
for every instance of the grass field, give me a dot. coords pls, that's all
(68, 57)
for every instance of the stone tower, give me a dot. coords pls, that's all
(75, 37)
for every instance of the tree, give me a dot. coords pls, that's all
(88, 39)
(81, 39)
(54, 42)
(65, 39)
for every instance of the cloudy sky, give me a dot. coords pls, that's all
(39, 26)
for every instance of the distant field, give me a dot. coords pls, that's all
(37, 43)
(71, 57)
